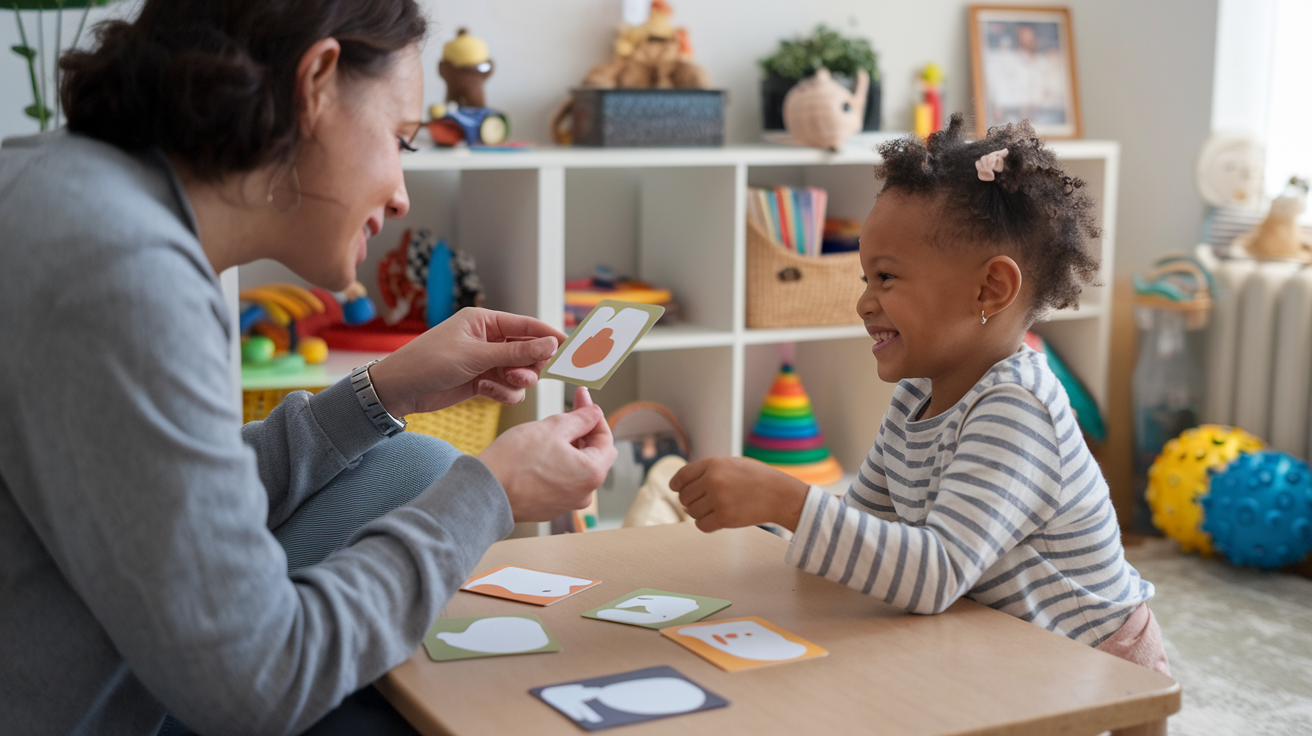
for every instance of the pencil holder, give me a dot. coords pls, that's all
(785, 289)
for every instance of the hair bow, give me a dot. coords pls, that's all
(990, 163)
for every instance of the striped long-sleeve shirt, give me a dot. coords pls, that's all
(997, 499)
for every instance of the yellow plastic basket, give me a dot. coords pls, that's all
(470, 425)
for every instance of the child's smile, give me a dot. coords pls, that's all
(923, 298)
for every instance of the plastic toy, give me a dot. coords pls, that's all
(282, 321)
(820, 112)
(465, 66)
(581, 295)
(929, 108)
(475, 126)
(1259, 510)
(1180, 477)
(786, 436)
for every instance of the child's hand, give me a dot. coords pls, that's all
(729, 492)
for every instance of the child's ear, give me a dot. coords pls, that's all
(1000, 285)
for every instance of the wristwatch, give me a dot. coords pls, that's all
(373, 408)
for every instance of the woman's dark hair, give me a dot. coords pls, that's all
(213, 82)
(1033, 210)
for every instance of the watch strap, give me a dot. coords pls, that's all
(373, 408)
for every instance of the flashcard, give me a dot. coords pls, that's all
(527, 586)
(489, 636)
(602, 341)
(743, 643)
(657, 609)
(629, 697)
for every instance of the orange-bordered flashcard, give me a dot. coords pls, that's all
(527, 586)
(743, 643)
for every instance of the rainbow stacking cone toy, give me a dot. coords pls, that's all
(786, 436)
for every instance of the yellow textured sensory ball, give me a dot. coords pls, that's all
(1180, 475)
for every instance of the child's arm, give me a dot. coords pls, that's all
(1002, 485)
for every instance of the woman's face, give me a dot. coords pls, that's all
(349, 171)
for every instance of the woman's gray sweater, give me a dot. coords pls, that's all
(137, 572)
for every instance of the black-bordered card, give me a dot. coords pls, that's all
(629, 697)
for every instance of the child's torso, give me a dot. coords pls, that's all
(1068, 573)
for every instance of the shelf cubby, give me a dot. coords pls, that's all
(677, 218)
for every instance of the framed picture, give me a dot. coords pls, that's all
(1023, 60)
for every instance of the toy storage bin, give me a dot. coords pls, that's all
(470, 425)
(785, 289)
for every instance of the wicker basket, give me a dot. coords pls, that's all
(256, 404)
(470, 425)
(789, 290)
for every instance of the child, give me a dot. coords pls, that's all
(979, 482)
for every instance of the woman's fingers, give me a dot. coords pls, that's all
(504, 325)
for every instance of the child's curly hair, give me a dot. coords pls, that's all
(1033, 209)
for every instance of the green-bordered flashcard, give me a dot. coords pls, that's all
(656, 609)
(601, 342)
(488, 636)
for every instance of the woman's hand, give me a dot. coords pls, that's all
(477, 352)
(553, 465)
(729, 492)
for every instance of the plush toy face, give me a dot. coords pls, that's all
(1229, 171)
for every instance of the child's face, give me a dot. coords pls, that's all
(920, 299)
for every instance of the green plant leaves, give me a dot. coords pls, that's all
(39, 112)
(801, 57)
(26, 52)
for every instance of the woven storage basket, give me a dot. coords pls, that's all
(789, 290)
(470, 425)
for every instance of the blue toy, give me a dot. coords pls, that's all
(472, 125)
(1259, 510)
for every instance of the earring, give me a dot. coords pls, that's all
(285, 199)
(982, 319)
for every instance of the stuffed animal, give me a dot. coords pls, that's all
(652, 55)
(820, 112)
(465, 66)
(1279, 235)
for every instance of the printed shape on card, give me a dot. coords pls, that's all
(743, 643)
(487, 636)
(657, 609)
(629, 697)
(601, 342)
(527, 586)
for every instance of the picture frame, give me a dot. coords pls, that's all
(1023, 64)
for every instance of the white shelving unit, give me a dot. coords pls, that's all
(676, 218)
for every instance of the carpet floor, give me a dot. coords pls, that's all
(1239, 642)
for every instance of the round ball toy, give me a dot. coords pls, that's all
(1180, 476)
(1259, 510)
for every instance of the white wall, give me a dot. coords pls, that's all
(1146, 72)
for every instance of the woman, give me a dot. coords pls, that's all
(138, 572)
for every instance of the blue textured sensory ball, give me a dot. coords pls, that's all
(1259, 510)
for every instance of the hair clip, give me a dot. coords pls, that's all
(989, 163)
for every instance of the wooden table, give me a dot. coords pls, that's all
(969, 670)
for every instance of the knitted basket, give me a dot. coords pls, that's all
(470, 425)
(785, 289)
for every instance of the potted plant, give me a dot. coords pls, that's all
(801, 57)
(45, 84)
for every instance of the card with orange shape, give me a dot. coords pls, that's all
(743, 643)
(601, 342)
(526, 586)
